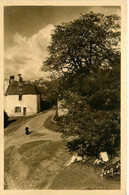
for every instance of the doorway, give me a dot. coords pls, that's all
(24, 111)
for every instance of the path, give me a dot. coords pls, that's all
(39, 132)
(18, 138)
(36, 161)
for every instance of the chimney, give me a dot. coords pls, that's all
(12, 79)
(20, 78)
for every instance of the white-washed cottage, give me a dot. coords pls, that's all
(21, 99)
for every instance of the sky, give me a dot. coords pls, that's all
(27, 34)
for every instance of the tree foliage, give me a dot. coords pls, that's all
(85, 45)
(94, 130)
(47, 89)
(85, 54)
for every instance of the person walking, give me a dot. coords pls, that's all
(27, 132)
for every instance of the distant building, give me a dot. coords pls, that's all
(21, 99)
(61, 111)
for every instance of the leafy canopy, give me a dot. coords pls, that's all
(85, 54)
(85, 45)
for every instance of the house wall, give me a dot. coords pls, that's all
(61, 110)
(31, 102)
(6, 84)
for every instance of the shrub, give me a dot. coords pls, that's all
(97, 130)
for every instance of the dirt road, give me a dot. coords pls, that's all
(36, 126)
(15, 140)
(35, 161)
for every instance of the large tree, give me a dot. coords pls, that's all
(85, 54)
(86, 45)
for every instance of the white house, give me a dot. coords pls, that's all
(21, 99)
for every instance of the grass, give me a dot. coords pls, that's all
(5, 183)
(34, 153)
(7, 155)
(78, 176)
(44, 159)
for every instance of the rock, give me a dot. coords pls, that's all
(103, 156)
(72, 160)
(78, 158)
(97, 161)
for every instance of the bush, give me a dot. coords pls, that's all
(97, 130)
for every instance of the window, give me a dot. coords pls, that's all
(20, 97)
(17, 109)
(19, 88)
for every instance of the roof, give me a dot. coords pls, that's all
(17, 88)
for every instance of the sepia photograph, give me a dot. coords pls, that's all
(62, 97)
